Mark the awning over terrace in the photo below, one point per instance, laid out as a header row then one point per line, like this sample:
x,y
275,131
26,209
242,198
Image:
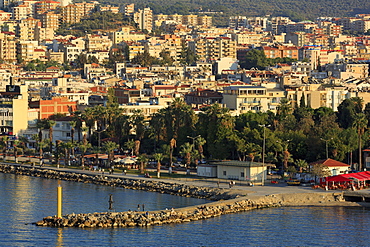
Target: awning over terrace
x,y
358,176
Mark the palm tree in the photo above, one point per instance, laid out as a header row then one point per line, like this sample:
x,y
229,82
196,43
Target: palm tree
x,y
73,125
15,146
199,142
4,145
143,159
84,146
51,125
42,144
109,147
302,164
158,157
130,144
67,146
58,151
185,151
360,123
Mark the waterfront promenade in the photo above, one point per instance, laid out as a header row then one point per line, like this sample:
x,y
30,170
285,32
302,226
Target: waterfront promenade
x,y
240,197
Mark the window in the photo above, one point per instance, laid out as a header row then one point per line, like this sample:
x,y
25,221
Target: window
x,y
242,174
224,173
68,134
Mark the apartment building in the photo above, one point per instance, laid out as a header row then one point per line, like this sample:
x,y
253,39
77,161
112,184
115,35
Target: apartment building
x,y
13,109
242,99
248,38
125,34
211,49
108,8
25,30
96,42
21,12
45,6
280,51
144,19
8,47
129,9
73,13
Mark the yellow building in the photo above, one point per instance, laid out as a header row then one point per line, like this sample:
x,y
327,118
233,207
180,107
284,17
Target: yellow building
x,y
14,109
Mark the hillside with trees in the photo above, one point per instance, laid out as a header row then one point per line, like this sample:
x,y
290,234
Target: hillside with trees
x,y
296,10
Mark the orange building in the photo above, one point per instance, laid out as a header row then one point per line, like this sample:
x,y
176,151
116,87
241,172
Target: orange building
x,y
54,106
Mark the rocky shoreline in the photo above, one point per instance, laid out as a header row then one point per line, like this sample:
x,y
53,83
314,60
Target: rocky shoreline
x,y
225,201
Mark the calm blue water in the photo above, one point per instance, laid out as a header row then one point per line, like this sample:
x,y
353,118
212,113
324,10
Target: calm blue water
x,y
27,199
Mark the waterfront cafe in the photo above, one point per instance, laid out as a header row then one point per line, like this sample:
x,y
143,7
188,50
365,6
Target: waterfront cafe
x,y
241,170
354,181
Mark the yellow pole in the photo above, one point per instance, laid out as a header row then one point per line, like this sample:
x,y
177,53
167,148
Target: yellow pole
x,y
59,207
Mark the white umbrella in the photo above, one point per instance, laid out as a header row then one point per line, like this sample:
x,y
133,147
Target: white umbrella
x,y
117,160
128,160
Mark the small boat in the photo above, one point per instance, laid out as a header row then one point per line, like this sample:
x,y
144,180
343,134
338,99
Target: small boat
x,y
293,183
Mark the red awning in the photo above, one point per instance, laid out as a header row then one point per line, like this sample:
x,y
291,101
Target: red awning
x,y
358,176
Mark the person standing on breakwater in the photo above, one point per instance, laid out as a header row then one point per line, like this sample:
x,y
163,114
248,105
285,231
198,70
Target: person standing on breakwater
x,y
138,207
143,207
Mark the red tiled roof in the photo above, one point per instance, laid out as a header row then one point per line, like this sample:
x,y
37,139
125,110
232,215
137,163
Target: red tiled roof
x,y
329,163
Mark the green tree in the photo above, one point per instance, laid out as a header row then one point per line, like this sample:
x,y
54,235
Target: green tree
x,y
158,157
143,160
360,123
109,148
255,59
301,164
186,150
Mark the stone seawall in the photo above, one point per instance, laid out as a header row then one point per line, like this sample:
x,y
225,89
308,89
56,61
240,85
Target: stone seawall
x,y
136,184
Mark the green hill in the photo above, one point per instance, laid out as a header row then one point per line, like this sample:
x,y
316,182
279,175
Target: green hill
x,y
297,10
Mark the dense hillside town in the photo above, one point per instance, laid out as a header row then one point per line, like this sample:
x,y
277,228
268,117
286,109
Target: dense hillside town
x,y
71,72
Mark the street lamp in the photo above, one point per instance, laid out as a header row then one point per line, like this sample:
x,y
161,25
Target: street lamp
x,y
193,138
326,144
263,153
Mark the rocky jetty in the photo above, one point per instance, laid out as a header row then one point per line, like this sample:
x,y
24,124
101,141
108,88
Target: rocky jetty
x,y
135,184
201,212
141,219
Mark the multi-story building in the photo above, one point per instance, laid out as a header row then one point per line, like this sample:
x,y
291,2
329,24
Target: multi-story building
x,y
45,6
21,12
72,13
237,22
13,109
242,99
30,50
25,29
108,8
8,47
50,20
129,9
211,49
53,106
97,42
281,51
125,34
144,19
248,38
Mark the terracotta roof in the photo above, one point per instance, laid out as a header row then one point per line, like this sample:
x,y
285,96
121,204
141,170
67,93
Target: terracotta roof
x,y
329,163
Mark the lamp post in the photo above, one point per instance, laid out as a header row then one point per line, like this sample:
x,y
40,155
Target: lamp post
x,y
326,145
193,138
263,153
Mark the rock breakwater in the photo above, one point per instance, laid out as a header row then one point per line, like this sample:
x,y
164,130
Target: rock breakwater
x,y
127,183
182,215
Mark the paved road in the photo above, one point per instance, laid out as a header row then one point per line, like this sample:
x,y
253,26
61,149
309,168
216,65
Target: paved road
x,y
267,189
